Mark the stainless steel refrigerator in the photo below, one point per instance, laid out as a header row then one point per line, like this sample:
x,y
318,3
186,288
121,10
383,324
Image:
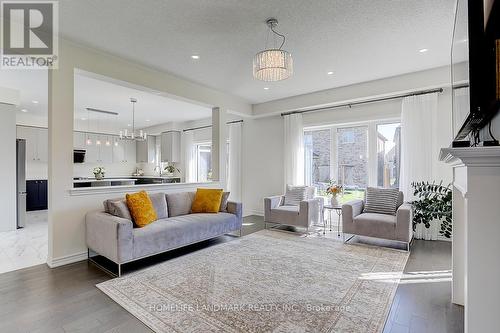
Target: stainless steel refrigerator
x,y
21,182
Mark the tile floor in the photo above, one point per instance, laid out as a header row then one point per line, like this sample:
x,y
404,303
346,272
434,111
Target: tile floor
x,y
27,246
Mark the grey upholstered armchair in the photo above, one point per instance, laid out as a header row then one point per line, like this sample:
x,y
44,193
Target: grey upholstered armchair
x,y
392,227
304,215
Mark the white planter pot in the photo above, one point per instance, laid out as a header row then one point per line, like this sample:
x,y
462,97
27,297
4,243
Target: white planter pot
x,y
334,202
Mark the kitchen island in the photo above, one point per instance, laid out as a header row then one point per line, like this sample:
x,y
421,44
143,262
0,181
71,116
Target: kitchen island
x,y
124,181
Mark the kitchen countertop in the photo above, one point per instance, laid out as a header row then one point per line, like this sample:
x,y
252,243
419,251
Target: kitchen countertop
x,y
93,180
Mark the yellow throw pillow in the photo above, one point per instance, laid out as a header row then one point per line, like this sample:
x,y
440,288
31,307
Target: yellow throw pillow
x,y
141,208
207,201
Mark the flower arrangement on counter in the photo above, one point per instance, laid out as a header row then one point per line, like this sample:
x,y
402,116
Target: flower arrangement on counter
x,y
170,169
99,172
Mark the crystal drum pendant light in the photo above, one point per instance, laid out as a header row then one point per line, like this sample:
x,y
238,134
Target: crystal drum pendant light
x,y
133,136
273,64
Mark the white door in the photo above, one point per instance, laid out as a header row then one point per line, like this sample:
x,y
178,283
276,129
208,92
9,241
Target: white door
x,y
130,150
28,134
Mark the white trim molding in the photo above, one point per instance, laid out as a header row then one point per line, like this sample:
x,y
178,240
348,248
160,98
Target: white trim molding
x,y
66,260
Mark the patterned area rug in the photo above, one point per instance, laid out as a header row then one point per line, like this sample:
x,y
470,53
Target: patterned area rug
x,y
268,281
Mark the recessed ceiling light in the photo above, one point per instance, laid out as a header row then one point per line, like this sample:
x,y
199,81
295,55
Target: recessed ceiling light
x,y
148,120
266,88
129,125
423,50
34,102
195,57
330,73
84,118
24,110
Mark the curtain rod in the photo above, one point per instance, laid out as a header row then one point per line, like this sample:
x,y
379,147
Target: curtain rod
x,y
373,100
208,126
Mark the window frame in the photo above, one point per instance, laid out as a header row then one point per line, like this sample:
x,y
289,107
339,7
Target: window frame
x,y
197,146
371,144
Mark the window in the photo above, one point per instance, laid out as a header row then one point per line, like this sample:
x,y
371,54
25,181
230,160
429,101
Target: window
x,y
388,154
317,146
352,156
204,162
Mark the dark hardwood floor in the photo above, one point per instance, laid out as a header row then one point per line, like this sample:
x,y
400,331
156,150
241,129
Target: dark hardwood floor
x,y
65,299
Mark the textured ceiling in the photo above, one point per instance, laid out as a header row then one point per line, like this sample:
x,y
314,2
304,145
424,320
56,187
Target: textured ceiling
x,y
358,40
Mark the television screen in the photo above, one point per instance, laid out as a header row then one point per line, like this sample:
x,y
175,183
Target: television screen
x,y
460,67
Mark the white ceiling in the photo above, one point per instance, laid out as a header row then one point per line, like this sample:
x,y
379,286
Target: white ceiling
x,y
358,40
150,109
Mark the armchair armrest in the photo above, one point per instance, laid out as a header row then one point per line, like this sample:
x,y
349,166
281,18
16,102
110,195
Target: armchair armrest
x,y
274,201
404,223
109,235
310,211
236,208
350,210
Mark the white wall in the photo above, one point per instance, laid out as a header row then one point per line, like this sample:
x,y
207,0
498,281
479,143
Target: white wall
x,y
8,192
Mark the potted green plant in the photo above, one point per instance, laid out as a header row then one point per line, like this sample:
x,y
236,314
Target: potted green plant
x,y
434,202
99,172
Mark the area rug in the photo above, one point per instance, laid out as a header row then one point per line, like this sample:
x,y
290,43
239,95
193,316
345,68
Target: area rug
x,y
268,281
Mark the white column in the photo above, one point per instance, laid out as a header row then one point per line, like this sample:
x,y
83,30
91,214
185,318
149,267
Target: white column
x,y
219,141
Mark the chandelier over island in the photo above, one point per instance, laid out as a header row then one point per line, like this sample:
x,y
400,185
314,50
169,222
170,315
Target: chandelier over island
x,y
132,135
273,64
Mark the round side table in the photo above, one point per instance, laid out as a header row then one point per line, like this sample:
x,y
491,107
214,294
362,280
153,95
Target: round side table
x,y
331,209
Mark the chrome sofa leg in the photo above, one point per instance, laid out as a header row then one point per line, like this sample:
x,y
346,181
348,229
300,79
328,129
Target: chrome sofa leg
x,y
241,232
119,270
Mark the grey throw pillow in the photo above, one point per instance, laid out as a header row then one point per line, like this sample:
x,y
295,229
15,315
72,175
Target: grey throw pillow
x,y
223,203
295,194
179,203
381,200
118,207
159,204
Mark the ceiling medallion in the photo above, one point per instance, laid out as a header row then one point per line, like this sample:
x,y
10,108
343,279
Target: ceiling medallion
x,y
273,64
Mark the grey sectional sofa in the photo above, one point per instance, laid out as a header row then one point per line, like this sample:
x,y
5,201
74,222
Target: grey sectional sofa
x,y
111,233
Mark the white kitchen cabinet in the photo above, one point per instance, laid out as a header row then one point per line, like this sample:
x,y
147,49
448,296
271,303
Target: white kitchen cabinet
x,y
92,150
146,150
37,142
106,149
118,150
171,146
130,152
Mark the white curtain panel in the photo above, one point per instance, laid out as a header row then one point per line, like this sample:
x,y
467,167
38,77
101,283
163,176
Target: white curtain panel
x,y
188,157
294,150
418,131
234,167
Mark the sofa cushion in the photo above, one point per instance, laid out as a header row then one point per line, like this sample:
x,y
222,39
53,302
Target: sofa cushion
x,y
375,225
223,203
141,208
160,204
179,203
173,232
381,200
295,194
117,207
207,200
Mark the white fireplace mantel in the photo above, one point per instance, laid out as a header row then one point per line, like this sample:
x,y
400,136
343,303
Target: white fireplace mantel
x,y
476,234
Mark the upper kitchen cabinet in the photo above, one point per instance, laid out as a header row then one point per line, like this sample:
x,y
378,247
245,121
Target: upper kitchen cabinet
x,y
146,150
171,146
123,151
37,142
79,140
100,150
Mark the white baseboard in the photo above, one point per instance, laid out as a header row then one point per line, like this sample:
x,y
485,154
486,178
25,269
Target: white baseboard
x,y
254,212
66,260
